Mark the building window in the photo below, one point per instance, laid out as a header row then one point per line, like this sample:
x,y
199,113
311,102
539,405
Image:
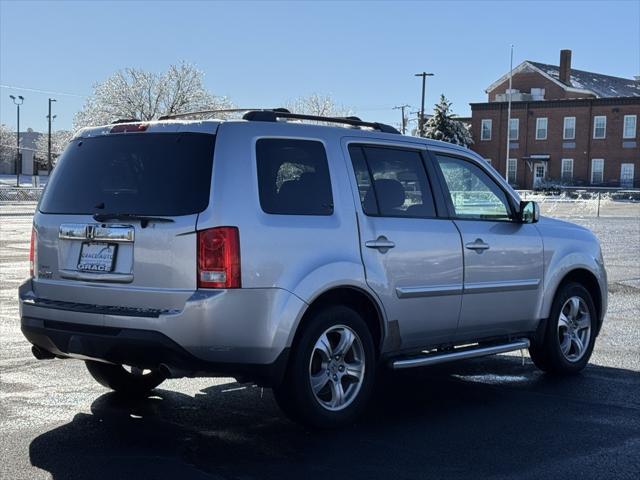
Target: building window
x,y
485,129
512,171
597,171
514,127
626,175
629,130
569,130
600,126
566,174
537,94
541,128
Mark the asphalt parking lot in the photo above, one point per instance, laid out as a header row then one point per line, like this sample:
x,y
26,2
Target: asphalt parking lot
x,y
490,418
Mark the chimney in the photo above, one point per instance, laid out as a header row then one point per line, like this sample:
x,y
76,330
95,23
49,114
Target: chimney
x,y
565,67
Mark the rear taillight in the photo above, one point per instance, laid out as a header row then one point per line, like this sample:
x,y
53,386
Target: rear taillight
x,y
219,258
130,127
32,252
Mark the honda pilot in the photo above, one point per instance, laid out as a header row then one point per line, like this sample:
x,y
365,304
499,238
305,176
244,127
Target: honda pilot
x,y
300,253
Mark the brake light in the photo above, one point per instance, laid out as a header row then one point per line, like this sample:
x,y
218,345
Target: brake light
x,y
130,127
32,252
219,258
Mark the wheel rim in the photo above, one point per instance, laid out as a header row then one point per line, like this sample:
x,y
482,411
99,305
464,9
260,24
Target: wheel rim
x,y
337,367
574,328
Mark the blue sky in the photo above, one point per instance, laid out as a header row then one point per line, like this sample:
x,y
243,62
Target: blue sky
x,y
263,53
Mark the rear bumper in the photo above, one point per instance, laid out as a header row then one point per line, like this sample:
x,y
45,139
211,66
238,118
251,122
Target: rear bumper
x,y
241,332
141,348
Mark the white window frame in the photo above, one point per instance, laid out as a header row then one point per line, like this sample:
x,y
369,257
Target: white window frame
x,y
635,126
516,121
622,166
564,129
515,171
566,161
482,123
595,123
538,128
593,162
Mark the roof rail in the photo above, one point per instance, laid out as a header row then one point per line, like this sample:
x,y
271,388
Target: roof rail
x,y
205,112
274,115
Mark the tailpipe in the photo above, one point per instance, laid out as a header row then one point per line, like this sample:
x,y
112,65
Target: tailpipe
x,y
41,353
172,372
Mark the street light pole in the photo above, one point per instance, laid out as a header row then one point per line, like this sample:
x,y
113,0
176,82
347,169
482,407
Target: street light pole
x,y
424,76
18,101
49,147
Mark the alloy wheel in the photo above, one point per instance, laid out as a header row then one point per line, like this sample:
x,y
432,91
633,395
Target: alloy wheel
x,y
337,367
574,328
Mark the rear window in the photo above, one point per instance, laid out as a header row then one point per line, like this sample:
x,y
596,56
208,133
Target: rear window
x,y
144,174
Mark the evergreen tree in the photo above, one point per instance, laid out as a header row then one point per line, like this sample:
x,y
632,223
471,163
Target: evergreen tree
x,y
443,125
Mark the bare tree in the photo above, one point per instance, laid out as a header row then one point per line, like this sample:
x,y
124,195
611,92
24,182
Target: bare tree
x,y
134,93
7,149
316,104
59,140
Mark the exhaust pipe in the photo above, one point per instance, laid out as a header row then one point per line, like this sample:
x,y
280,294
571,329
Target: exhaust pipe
x,y
172,372
41,353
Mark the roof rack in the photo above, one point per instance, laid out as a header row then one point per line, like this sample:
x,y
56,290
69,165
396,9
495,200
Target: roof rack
x,y
205,112
275,114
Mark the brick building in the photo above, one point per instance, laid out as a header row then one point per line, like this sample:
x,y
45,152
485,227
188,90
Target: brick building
x,y
567,126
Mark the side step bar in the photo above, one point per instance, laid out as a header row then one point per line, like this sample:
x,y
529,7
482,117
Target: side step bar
x,y
459,354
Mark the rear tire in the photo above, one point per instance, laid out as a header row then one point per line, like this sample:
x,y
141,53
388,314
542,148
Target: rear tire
x,y
331,370
117,378
569,335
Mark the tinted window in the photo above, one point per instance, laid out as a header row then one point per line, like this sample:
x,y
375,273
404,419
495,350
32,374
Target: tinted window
x,y
144,174
473,193
293,177
400,186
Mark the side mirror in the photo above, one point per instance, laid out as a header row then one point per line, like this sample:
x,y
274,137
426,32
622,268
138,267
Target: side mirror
x,y
529,212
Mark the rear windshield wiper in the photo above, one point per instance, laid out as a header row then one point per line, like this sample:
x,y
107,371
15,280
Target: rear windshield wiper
x,y
143,219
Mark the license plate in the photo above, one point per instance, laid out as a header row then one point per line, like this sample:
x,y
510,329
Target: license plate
x,y
97,257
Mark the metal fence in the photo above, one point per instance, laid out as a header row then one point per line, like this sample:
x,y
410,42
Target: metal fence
x,y
570,203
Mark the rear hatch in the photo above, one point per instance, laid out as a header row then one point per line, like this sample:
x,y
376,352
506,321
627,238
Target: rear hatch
x,y
116,223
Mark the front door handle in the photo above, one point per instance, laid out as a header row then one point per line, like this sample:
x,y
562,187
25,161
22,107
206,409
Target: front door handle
x,y
479,246
381,243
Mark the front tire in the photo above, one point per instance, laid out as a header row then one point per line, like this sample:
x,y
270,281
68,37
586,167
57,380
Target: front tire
x,y
133,382
331,370
569,336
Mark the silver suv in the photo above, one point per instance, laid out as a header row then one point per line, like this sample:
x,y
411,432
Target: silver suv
x,y
303,257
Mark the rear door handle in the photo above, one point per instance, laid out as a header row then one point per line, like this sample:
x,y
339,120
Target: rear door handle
x,y
381,243
479,246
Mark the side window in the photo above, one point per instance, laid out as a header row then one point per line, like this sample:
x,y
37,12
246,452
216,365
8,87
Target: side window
x,y
293,177
474,195
399,187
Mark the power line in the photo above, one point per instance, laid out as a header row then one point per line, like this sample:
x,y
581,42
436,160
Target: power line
x,y
36,90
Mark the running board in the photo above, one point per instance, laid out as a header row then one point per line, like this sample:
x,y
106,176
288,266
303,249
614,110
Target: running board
x,y
459,354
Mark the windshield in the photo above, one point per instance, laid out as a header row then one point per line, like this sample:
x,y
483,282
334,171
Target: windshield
x,y
143,174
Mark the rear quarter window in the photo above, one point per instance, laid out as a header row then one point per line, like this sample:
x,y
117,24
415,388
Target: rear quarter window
x,y
165,174
293,177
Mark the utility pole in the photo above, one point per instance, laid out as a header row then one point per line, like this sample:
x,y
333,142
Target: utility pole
x,y
424,76
404,119
50,118
18,101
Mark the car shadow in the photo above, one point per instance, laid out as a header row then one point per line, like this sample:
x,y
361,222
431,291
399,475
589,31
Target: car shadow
x,y
492,417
